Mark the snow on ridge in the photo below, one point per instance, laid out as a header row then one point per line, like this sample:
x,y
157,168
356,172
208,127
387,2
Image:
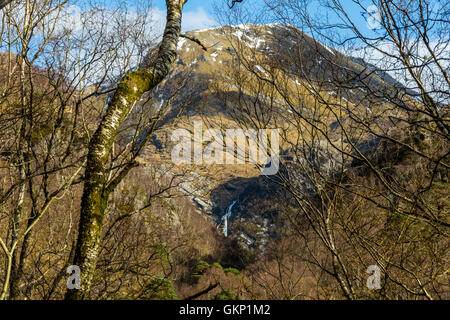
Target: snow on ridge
x,y
329,49
262,70
204,30
247,26
214,55
180,44
249,32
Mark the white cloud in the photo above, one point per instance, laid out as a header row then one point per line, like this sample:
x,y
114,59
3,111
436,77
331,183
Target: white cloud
x,y
71,18
198,19
387,57
192,20
158,21
107,41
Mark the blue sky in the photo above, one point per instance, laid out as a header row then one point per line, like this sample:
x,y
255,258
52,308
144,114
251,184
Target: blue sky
x,y
199,14
195,4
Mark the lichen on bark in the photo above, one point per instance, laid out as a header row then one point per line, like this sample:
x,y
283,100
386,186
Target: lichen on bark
x,y
96,191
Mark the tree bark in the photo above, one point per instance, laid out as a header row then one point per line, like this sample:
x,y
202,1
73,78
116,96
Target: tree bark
x,y
4,3
96,191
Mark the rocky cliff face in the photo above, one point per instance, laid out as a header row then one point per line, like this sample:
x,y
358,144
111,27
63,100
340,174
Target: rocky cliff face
x,y
204,87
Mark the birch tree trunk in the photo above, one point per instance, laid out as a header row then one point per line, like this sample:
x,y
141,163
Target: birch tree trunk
x,y
4,3
96,189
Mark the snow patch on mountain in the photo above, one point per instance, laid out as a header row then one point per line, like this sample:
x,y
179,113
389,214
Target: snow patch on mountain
x,y
180,44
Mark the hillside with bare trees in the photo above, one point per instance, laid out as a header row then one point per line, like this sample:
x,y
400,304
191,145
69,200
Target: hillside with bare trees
x,y
292,160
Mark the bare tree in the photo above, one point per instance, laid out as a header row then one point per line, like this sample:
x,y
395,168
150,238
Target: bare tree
x,y
366,155
96,188
57,69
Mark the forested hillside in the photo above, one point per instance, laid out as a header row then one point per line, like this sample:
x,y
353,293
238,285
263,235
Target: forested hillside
x,y
92,121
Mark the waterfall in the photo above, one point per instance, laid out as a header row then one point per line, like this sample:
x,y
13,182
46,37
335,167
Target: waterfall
x,y
225,218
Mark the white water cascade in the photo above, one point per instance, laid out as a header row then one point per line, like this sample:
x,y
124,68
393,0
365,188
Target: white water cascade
x,y
225,218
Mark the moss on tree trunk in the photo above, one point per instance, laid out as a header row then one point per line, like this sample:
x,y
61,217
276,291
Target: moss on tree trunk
x,y
96,190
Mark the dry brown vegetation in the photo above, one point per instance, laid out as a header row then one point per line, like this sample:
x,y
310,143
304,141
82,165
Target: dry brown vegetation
x,y
364,160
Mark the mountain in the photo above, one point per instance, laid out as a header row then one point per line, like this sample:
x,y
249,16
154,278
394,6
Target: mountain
x,y
361,175
207,85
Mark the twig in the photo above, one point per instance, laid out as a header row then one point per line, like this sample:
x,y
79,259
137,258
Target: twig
x,y
194,39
